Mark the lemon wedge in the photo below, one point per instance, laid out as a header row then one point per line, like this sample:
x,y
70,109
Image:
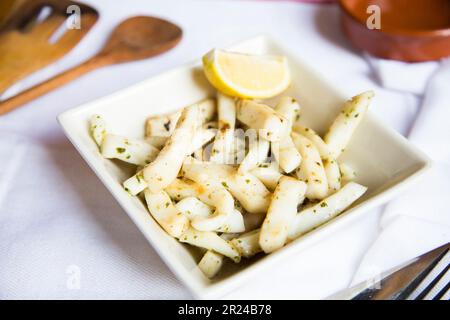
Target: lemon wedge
x,y
246,76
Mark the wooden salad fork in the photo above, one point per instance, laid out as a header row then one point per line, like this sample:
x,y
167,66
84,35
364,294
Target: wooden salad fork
x,y
25,45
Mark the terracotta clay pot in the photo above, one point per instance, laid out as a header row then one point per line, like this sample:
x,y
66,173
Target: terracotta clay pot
x,y
411,30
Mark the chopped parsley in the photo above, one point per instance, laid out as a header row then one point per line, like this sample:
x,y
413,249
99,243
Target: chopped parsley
x,y
167,125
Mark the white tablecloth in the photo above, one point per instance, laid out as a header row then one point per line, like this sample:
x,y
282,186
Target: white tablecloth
x,y
63,236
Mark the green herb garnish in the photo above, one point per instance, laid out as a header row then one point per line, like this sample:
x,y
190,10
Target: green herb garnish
x,y
167,125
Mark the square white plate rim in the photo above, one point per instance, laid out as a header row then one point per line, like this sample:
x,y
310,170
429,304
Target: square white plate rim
x,y
224,286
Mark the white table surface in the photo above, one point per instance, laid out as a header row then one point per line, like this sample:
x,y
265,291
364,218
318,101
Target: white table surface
x,y
54,213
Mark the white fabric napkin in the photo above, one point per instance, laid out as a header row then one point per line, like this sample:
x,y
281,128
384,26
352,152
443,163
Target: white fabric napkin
x,y
419,220
402,76
63,236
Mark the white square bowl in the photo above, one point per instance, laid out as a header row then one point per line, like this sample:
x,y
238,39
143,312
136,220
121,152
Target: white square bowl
x,y
385,161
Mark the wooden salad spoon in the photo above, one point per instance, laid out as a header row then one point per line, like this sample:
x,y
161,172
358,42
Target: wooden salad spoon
x,y
135,38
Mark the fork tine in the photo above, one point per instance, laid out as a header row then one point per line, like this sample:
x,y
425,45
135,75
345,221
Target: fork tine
x,y
441,293
25,13
416,282
46,28
433,283
72,36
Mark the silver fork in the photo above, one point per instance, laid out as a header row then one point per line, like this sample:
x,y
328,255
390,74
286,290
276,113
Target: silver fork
x,y
425,278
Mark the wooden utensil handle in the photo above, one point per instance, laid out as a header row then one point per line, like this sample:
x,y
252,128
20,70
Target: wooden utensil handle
x,y
53,83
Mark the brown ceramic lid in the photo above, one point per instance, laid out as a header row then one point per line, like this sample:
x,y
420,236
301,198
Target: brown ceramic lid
x,y
411,30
